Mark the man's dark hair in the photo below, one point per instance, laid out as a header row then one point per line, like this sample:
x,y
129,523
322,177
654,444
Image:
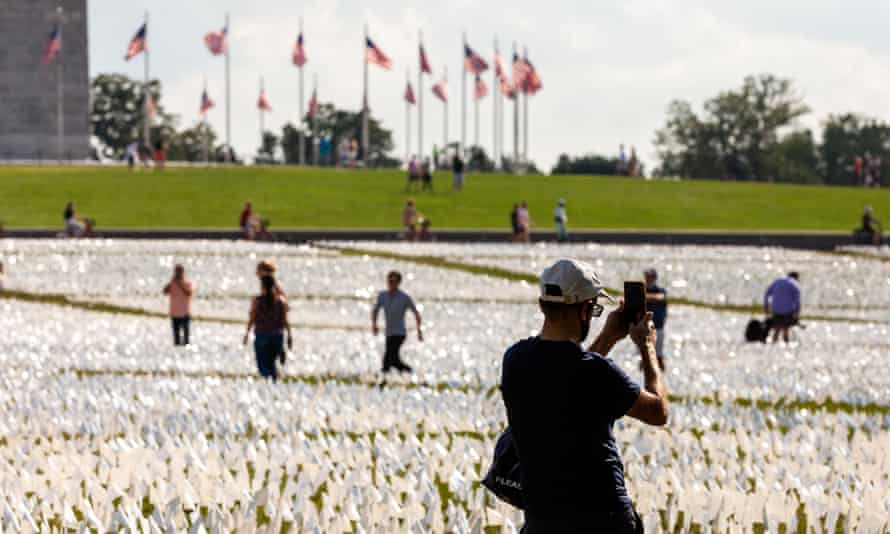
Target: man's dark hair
x,y
394,274
794,274
555,311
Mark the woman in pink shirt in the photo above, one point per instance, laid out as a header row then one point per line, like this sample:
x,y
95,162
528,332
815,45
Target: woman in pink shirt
x,y
180,290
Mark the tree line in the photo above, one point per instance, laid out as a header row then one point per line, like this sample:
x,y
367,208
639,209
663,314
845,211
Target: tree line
x,y
752,133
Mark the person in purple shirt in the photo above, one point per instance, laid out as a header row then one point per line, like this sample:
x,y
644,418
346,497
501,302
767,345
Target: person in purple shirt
x,y
782,303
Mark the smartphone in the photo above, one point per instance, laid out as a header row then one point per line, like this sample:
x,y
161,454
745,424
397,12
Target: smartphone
x,y
634,301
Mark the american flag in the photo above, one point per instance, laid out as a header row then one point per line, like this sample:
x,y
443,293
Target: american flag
x,y
263,102
441,90
532,83
313,104
507,88
499,68
137,43
520,70
424,62
53,45
217,43
409,94
299,56
481,88
374,55
206,103
473,62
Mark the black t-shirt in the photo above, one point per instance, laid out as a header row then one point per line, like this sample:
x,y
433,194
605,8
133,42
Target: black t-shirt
x,y
659,309
561,404
458,166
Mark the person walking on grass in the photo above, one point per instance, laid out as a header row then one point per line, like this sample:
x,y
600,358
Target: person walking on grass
x,y
426,176
457,167
180,291
562,403
395,303
524,220
268,319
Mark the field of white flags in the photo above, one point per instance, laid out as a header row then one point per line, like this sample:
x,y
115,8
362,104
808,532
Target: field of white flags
x,y
107,427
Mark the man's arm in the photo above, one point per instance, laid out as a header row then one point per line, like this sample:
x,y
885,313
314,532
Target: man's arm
x,y
374,312
186,287
655,296
614,331
652,406
250,321
418,320
167,289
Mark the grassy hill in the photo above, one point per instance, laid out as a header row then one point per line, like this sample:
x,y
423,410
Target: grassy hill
x,y
314,198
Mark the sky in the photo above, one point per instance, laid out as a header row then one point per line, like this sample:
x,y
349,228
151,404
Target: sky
x,y
609,68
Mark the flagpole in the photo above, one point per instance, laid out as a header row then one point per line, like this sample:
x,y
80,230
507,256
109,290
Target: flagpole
x,y
228,151
476,117
495,92
463,99
420,100
515,121
525,116
445,107
315,139
407,118
60,88
300,133
146,126
262,114
204,123
365,132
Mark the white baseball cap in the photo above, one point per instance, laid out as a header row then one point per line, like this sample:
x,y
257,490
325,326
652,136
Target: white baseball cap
x,y
570,282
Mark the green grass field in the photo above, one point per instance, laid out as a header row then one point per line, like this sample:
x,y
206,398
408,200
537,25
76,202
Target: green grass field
x,y
33,197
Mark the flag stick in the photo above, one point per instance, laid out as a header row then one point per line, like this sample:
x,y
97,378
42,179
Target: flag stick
x,y
495,91
525,117
420,99
313,123
515,122
365,132
146,126
262,115
476,117
204,125
407,119
300,132
60,89
228,151
445,108
463,98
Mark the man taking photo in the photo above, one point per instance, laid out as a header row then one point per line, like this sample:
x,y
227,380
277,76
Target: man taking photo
x,y
563,401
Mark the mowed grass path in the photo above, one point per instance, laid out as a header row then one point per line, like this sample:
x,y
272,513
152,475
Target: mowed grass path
x,y
328,198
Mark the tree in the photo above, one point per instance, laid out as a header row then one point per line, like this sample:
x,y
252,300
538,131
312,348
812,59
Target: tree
x,y
478,160
266,152
591,164
337,125
849,135
192,143
117,112
736,134
796,159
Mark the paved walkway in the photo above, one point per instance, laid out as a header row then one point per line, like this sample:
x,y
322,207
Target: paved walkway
x,y
800,240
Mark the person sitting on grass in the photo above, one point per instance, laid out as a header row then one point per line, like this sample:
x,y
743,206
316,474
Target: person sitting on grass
x,y
263,233
426,233
871,227
246,221
75,225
